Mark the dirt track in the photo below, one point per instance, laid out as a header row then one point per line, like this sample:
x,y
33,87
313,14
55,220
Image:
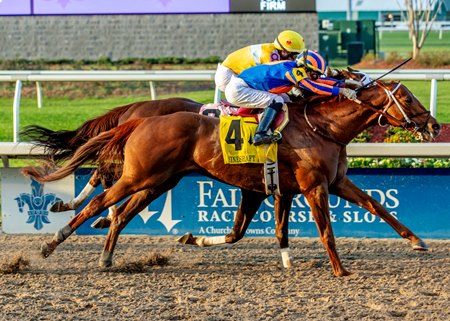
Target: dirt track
x,y
244,281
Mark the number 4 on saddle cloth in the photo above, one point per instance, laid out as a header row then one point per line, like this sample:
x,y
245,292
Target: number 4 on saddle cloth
x,y
237,129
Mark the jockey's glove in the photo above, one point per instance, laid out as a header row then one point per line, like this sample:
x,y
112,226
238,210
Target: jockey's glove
x,y
296,92
347,92
353,82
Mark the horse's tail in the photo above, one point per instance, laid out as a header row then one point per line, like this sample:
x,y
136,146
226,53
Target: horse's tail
x,y
106,148
61,145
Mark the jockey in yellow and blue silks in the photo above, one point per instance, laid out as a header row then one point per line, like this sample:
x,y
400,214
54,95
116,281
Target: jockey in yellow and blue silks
x,y
266,86
286,46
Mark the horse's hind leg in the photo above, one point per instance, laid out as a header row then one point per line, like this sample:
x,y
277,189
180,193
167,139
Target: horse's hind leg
x,y
120,218
97,205
104,222
282,208
250,202
125,212
350,192
75,203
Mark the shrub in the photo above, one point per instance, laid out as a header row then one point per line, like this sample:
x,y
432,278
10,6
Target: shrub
x,y
400,135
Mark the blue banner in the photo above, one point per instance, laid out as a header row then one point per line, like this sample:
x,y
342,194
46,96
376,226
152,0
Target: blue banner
x,y
417,197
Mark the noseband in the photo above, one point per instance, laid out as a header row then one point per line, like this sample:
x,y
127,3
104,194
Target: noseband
x,y
407,121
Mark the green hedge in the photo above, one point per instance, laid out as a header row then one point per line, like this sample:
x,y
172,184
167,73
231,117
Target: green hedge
x,y
395,135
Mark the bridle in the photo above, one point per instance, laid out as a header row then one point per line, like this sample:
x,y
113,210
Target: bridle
x,y
406,123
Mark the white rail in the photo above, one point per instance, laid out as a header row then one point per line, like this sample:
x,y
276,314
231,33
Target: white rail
x,y
419,150
176,75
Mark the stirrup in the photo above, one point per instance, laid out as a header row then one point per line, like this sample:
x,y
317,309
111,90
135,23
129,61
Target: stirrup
x,y
267,138
276,136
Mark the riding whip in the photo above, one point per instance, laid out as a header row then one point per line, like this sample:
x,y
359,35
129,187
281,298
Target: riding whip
x,y
370,83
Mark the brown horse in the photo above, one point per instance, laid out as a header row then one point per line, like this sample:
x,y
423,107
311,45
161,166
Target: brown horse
x,y
61,145
159,151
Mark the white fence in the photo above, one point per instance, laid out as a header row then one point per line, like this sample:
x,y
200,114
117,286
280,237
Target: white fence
x,y
419,150
22,150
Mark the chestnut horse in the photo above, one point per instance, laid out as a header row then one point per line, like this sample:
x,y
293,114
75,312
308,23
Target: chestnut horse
x,y
158,151
61,145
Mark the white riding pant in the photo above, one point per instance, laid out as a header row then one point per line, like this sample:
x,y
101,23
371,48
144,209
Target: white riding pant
x,y
222,77
239,93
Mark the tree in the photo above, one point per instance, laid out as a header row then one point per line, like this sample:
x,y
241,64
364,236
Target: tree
x,y
420,16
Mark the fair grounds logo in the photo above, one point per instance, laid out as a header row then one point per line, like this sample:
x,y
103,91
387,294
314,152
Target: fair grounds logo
x,y
37,203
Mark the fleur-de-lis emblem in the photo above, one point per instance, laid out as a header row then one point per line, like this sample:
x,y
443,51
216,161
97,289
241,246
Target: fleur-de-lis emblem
x,y
37,203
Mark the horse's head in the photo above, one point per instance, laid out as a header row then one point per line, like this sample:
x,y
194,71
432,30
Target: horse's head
x,y
397,106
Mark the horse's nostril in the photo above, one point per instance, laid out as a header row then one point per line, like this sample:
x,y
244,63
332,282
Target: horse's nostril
x,y
436,126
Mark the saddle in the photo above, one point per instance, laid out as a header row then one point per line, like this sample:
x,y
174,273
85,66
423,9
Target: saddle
x,y
225,108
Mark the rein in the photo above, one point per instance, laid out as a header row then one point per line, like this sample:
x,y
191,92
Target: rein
x,y
382,113
318,131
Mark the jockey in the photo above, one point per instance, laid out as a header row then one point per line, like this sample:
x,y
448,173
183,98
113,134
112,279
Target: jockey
x,y
266,86
286,46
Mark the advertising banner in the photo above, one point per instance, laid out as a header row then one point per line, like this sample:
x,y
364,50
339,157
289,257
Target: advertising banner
x,y
417,197
129,7
15,7
26,203
94,7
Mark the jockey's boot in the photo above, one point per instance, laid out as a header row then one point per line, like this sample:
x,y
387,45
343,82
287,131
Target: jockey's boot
x,y
262,136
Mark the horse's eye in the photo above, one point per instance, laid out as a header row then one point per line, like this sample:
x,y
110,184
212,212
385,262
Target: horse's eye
x,y
408,100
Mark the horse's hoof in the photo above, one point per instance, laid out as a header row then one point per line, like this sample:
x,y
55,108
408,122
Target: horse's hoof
x,y
105,264
60,206
186,239
101,223
46,250
343,272
420,246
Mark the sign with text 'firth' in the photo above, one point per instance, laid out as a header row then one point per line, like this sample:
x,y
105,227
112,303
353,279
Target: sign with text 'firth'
x,y
418,198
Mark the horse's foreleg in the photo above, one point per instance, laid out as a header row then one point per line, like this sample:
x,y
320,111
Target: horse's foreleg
x,y
318,200
250,202
76,202
350,192
282,207
97,205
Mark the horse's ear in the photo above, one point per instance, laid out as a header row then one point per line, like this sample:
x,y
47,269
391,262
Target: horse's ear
x,y
350,69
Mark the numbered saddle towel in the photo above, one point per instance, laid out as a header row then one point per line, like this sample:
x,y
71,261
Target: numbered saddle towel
x,y
236,139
